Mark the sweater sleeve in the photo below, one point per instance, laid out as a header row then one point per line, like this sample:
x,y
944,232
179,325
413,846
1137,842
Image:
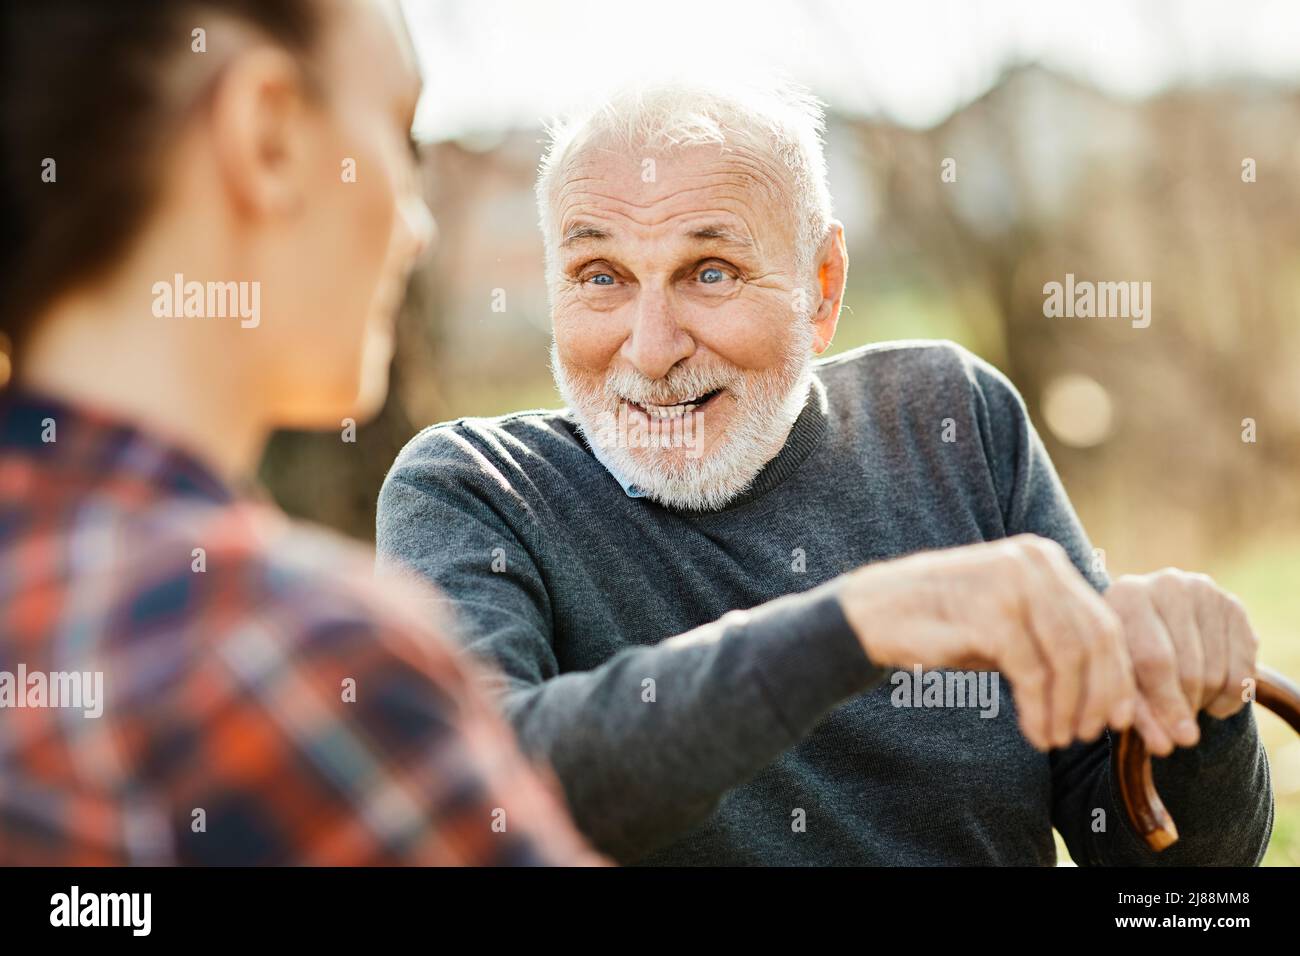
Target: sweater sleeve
x,y
646,743
1218,792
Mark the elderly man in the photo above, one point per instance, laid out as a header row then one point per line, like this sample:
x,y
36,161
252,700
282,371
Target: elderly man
x,y
723,585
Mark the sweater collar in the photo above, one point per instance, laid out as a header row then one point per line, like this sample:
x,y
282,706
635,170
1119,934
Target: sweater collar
x,y
805,434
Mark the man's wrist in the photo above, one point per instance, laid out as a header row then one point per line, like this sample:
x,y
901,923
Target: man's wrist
x,y
861,605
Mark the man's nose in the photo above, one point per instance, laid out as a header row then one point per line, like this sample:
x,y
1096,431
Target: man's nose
x,y
657,342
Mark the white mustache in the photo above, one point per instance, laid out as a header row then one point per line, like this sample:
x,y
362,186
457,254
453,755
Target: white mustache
x,y
678,386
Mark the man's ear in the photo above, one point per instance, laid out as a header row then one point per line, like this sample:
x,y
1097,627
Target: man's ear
x,y
260,131
832,273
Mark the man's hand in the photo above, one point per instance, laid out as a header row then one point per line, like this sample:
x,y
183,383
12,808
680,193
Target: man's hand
x,y
1192,648
1017,606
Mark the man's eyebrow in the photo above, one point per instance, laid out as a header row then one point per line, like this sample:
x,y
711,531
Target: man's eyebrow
x,y
580,232
585,232
723,234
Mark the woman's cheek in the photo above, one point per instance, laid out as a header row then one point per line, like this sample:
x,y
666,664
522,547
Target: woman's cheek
x,y
378,220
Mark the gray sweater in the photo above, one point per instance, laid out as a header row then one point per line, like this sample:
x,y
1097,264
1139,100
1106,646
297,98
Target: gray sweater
x,y
691,678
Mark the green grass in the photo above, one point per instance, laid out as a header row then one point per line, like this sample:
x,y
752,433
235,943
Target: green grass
x,y
1267,578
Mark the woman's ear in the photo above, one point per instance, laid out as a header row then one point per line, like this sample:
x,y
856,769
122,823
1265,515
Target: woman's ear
x,y
832,274
261,132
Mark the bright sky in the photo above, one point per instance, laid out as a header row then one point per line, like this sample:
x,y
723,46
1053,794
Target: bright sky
x,y
492,64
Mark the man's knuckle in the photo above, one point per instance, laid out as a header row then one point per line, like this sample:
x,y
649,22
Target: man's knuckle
x,y
1068,654
1032,680
1153,658
1235,608
1123,593
1216,675
1040,550
1170,588
1190,672
1109,625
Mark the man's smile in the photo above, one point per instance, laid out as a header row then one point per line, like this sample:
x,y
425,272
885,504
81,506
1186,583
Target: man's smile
x,y
677,409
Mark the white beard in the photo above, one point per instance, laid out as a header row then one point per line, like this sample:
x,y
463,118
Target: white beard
x,y
765,406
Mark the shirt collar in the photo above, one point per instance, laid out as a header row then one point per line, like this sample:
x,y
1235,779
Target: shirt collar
x,y
94,446
629,489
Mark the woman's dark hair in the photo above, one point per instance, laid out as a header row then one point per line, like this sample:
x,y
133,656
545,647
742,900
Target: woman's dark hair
x,y
85,83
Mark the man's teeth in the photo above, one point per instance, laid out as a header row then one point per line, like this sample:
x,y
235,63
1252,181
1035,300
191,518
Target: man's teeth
x,y
670,411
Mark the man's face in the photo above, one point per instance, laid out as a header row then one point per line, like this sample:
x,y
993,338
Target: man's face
x,y
678,314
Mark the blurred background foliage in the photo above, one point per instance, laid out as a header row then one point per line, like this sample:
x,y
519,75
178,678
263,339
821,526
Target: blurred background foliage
x,y
1054,175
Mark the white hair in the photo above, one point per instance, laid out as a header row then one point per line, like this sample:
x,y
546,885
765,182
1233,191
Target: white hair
x,y
779,120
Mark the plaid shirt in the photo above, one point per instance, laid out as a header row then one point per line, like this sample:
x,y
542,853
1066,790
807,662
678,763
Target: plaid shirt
x,y
265,700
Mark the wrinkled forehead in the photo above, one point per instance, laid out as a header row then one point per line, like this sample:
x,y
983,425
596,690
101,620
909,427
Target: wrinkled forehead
x,y
647,190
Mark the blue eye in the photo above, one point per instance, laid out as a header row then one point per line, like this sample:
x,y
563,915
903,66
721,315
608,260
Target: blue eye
x,y
602,278
712,275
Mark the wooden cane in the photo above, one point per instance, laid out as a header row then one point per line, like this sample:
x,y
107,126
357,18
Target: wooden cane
x,y
1131,763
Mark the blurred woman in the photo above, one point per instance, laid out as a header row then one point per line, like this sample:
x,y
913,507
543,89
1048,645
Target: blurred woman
x,y
210,211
